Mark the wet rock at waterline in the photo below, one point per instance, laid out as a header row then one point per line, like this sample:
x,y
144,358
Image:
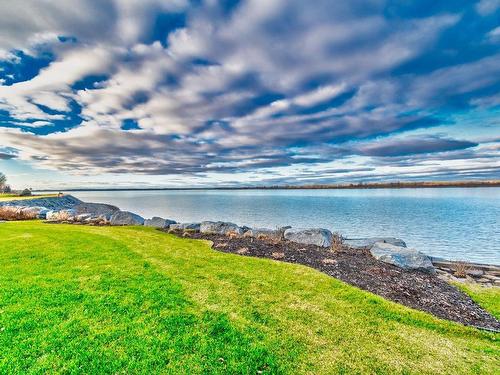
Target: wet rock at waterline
x,y
403,257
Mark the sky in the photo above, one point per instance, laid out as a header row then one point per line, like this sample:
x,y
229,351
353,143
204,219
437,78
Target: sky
x,y
173,93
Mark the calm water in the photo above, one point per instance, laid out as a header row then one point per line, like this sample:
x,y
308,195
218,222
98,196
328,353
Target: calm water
x,y
454,223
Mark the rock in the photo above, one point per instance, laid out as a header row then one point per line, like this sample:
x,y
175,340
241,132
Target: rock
x,y
43,213
402,257
315,236
96,209
263,233
475,273
219,227
185,226
126,218
365,243
158,222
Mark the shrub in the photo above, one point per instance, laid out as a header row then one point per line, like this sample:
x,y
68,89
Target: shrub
x,y
337,242
233,234
461,269
25,193
11,213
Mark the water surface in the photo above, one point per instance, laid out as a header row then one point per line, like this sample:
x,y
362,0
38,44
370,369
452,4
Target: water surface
x,y
455,223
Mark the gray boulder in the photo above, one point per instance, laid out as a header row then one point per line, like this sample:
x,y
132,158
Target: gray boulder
x,y
96,209
42,214
219,227
313,236
362,243
263,233
185,226
158,222
403,257
126,218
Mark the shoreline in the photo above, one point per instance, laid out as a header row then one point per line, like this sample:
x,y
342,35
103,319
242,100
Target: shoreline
x,y
384,266
367,186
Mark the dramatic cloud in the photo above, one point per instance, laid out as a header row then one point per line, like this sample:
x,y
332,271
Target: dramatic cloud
x,y
200,89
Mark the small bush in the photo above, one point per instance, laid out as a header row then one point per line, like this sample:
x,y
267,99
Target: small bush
x,y
233,234
25,193
337,242
11,213
461,269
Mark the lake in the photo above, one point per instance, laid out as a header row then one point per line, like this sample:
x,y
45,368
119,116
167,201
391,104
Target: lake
x,y
454,223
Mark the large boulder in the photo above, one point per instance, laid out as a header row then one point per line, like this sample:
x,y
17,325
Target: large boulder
x,y
264,233
126,218
366,243
403,257
219,227
158,222
96,209
313,236
185,226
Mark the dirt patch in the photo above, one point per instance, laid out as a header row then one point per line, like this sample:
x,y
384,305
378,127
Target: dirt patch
x,y
414,289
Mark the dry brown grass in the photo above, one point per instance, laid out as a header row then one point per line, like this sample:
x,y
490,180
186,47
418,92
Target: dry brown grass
x,y
278,255
337,242
11,213
233,234
461,268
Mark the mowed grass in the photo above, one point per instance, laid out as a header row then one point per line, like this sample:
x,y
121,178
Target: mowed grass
x,y
15,197
78,299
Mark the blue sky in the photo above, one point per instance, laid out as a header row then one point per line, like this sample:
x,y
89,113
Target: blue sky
x,y
159,93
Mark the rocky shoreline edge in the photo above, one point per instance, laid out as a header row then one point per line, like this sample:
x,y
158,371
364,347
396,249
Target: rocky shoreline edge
x,y
381,265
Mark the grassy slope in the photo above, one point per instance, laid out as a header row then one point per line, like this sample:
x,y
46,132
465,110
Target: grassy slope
x,y
14,197
103,300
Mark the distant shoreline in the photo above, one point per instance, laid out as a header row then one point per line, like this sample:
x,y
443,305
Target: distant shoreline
x,y
386,185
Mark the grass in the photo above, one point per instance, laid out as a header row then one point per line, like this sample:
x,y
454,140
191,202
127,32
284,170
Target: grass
x,y
15,197
78,299
487,297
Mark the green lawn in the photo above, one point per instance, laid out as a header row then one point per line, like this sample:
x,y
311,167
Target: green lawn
x,y
77,299
15,197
